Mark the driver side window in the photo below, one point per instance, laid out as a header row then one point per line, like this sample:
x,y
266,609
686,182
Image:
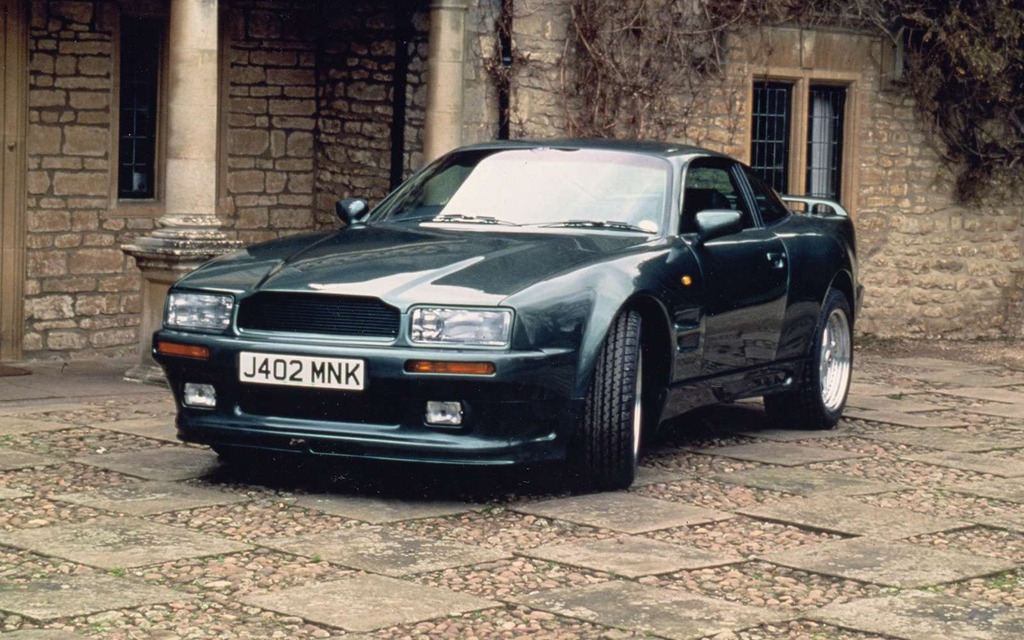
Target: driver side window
x,y
710,185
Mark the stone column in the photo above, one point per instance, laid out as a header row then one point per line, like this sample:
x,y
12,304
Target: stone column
x,y
445,69
189,232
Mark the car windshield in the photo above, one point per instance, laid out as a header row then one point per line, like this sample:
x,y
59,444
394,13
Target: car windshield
x,y
540,187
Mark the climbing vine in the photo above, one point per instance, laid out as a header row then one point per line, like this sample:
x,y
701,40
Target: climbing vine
x,y
640,67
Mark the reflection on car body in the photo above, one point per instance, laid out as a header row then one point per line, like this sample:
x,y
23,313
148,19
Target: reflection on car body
x,y
520,302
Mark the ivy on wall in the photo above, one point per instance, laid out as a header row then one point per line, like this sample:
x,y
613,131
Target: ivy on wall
x,y
640,65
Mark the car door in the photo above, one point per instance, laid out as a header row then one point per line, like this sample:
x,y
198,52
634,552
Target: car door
x,y
741,299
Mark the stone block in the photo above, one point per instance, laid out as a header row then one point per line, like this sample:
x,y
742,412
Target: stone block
x,y
80,183
67,284
89,99
80,12
86,141
43,140
282,107
114,338
96,261
92,305
250,142
300,144
38,182
291,77
47,263
246,181
55,307
66,341
94,65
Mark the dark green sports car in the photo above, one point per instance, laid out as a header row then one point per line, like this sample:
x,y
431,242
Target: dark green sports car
x,y
521,302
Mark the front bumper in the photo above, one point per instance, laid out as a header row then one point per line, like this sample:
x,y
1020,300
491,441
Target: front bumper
x,y
524,412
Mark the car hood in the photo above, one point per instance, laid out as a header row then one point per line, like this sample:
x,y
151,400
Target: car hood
x,y
404,265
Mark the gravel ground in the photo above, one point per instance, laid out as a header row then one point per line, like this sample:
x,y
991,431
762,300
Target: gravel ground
x,y
212,588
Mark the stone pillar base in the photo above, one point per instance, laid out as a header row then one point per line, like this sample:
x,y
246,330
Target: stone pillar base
x,y
164,256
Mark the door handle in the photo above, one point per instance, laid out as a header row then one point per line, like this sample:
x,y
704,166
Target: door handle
x,y
778,260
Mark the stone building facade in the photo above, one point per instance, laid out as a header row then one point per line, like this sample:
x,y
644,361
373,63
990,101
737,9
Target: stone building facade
x,y
330,99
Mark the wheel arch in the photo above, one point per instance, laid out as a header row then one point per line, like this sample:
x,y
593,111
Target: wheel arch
x,y
843,282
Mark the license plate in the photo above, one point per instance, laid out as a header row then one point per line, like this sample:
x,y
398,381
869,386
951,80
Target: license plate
x,y
302,371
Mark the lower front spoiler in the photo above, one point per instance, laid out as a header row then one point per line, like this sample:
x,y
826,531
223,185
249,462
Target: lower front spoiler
x,y
356,442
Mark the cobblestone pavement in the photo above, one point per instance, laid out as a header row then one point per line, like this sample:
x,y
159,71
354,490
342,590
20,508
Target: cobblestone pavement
x,y
904,522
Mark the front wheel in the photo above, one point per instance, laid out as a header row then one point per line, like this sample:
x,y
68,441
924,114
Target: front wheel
x,y
819,396
608,436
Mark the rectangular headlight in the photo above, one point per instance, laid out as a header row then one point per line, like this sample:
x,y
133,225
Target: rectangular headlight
x,y
199,311
461,327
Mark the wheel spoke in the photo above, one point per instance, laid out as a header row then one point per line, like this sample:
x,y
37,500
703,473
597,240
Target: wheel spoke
x,y
835,360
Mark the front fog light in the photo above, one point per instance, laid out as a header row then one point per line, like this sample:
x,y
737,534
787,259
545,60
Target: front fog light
x,y
443,414
200,395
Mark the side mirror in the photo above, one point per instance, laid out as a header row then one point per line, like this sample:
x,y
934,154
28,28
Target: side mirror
x,y
715,223
351,210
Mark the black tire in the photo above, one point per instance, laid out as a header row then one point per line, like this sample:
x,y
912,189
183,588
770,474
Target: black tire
x,y
817,400
607,447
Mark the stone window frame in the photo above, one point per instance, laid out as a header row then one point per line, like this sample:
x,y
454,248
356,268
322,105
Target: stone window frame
x,y
156,206
801,81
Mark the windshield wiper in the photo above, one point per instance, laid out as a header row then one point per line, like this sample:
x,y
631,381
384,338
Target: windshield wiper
x,y
599,224
458,217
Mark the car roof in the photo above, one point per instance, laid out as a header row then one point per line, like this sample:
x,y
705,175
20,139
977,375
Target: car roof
x,y
645,147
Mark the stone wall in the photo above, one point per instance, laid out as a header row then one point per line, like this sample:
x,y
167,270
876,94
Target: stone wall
x,y
932,268
81,292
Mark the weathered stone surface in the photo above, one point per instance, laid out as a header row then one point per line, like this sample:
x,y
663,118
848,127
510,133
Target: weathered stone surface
x,y
918,615
369,602
991,463
796,435
114,543
1012,411
803,481
11,494
985,393
11,459
903,419
1010,489
380,510
165,463
622,512
950,440
975,379
851,517
382,551
664,613
654,475
43,634
158,428
889,563
631,557
67,596
866,389
876,403
788,455
146,498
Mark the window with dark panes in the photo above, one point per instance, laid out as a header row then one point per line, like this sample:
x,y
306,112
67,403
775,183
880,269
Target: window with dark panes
x,y
825,140
769,140
778,110
141,40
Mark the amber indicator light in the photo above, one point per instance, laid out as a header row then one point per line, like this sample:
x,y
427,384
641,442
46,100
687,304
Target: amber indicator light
x,y
460,368
687,281
184,350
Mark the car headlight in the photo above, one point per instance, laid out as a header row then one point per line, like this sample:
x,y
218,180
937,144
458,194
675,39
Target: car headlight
x,y
461,327
199,311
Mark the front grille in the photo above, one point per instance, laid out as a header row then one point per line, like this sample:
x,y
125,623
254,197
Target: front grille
x,y
318,313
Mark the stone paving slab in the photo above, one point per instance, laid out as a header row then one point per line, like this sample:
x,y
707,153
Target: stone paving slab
x,y
987,394
862,389
21,426
366,603
156,428
904,419
165,463
950,440
938,364
962,379
666,613
116,543
787,455
631,557
889,563
652,475
386,552
66,596
1011,411
42,634
12,494
977,462
797,435
380,510
848,516
11,460
876,403
622,512
1010,489
804,481
150,497
919,615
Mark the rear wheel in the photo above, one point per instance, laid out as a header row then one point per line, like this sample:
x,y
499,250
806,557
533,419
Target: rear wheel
x,y
819,396
609,435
